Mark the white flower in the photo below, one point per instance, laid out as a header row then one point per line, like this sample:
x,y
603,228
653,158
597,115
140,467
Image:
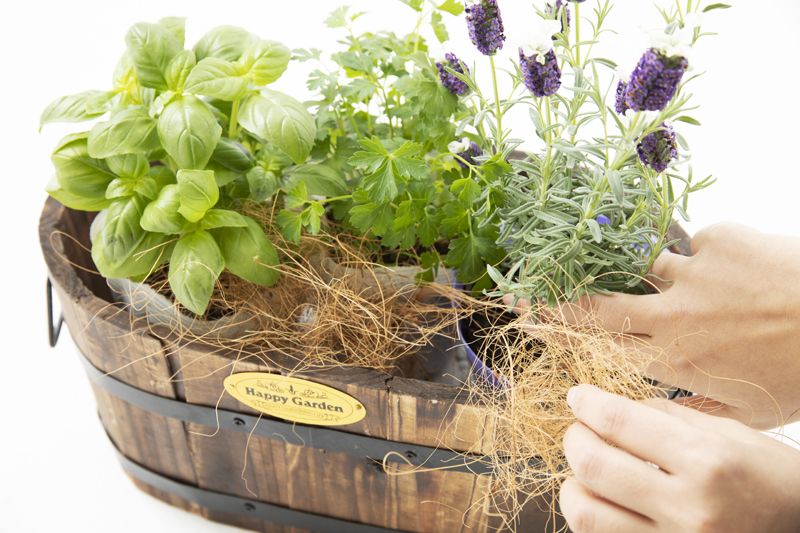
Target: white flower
x,y
692,20
459,147
540,39
677,44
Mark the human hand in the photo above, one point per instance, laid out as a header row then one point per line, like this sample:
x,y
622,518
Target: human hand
x,y
714,475
728,323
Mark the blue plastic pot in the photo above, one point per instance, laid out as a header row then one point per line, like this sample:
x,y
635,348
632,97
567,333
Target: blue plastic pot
x,y
479,368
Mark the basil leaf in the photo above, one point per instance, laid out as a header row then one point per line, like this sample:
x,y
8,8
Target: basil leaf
x,y
161,215
199,193
124,74
176,26
233,155
246,251
131,131
223,42
122,232
120,188
194,267
77,172
188,131
74,201
128,165
222,175
103,102
263,184
153,250
281,120
217,78
162,176
265,61
151,48
320,180
179,69
222,218
70,108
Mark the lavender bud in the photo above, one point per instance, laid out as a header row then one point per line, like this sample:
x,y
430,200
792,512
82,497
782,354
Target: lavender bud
x,y
466,150
654,81
603,220
621,105
565,19
485,26
455,85
658,149
542,79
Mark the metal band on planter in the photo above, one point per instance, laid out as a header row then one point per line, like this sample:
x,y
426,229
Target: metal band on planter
x,y
233,504
290,433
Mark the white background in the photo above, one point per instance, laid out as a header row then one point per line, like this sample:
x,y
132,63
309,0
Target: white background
x,y
57,468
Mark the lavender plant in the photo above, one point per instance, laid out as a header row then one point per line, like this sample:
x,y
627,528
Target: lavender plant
x,y
587,213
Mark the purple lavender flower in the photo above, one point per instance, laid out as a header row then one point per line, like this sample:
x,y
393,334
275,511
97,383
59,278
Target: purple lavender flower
x,y
603,220
645,246
654,81
565,19
658,149
621,105
485,26
455,85
466,150
542,79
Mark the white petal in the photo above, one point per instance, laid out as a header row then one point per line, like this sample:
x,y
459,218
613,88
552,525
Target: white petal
x,y
540,38
692,20
459,147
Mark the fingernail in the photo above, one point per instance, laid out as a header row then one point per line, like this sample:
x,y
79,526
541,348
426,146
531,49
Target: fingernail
x,y
571,396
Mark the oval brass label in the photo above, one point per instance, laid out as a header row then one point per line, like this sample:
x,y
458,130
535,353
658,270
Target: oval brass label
x,y
295,399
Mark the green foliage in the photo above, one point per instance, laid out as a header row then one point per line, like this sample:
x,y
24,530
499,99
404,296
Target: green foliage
x,y
186,137
194,267
281,120
248,253
158,162
188,131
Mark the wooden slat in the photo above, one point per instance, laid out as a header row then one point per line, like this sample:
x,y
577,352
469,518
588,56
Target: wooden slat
x,y
104,335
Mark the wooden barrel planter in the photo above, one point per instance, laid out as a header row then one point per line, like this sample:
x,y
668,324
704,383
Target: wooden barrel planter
x,y
157,399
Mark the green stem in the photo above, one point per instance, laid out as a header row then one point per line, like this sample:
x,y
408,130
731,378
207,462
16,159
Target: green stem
x,y
339,198
577,33
499,133
353,121
234,119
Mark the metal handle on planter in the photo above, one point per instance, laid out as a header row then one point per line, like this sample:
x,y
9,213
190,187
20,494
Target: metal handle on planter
x,y
52,330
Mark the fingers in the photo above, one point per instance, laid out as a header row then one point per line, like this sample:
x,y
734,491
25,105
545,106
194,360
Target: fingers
x,y
705,413
666,267
586,513
648,433
718,232
613,474
620,313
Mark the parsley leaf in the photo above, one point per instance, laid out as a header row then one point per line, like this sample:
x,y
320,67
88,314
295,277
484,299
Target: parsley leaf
x,y
379,218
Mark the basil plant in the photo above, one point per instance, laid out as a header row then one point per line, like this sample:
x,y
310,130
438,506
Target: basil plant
x,y
189,135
